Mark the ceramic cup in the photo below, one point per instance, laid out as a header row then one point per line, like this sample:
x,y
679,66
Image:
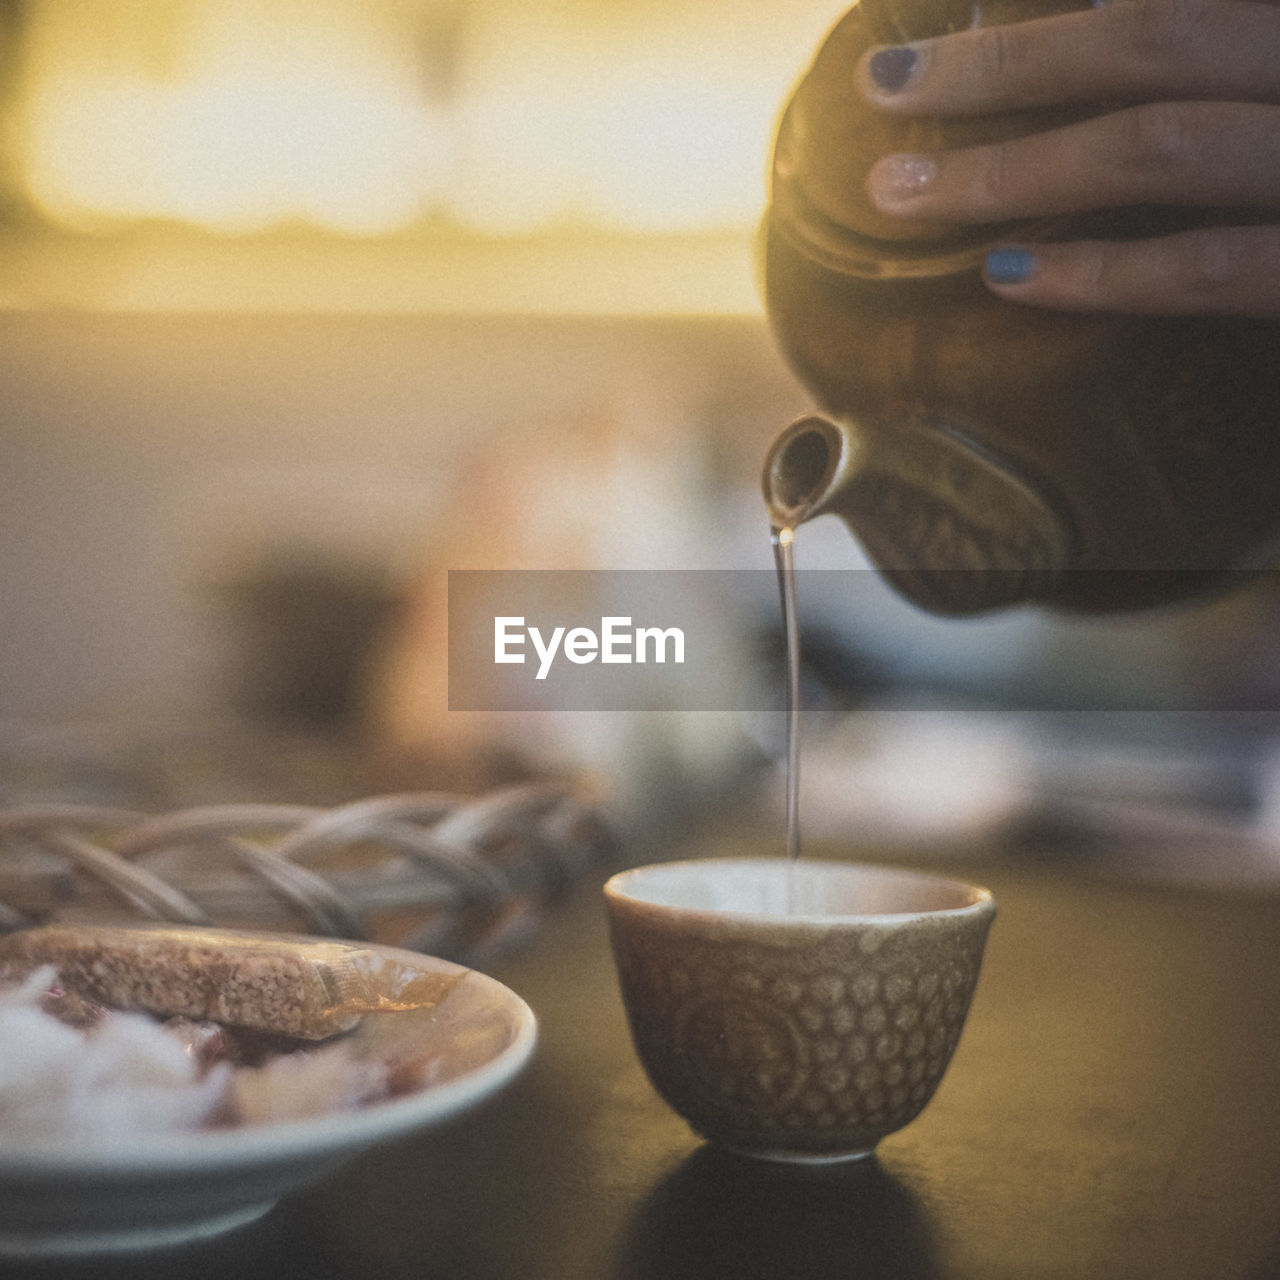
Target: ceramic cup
x,y
795,1012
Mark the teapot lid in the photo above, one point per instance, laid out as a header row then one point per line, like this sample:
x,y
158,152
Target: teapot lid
x,y
830,137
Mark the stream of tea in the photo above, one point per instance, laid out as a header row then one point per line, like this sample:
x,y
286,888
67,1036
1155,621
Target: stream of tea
x,y
784,557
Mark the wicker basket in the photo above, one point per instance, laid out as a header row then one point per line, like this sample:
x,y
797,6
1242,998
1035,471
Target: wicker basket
x,y
458,877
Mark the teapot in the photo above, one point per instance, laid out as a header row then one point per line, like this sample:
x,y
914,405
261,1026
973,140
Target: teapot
x,y
988,454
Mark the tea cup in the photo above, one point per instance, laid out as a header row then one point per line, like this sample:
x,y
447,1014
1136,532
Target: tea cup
x,y
795,1011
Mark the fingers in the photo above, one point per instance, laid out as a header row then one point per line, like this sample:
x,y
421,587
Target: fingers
x,y
1228,271
1138,49
1206,154
1196,90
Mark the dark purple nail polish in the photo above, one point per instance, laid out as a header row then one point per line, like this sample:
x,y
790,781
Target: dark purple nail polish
x,y
891,68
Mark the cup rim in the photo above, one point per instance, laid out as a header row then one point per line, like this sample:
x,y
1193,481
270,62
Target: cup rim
x,y
980,901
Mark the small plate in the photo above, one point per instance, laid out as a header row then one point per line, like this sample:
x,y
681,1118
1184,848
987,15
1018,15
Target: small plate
x,y
168,1188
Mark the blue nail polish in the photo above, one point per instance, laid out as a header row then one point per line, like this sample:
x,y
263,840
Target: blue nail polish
x,y
1009,266
892,68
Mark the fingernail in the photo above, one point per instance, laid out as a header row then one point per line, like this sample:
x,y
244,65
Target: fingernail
x,y
898,178
1009,266
891,68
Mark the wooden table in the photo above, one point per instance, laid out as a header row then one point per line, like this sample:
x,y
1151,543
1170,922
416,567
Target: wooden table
x,y
1113,1111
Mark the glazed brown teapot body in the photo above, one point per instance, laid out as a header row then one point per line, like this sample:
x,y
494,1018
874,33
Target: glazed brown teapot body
x,y
986,453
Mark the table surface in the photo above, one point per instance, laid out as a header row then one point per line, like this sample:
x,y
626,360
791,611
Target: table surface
x,y
1113,1110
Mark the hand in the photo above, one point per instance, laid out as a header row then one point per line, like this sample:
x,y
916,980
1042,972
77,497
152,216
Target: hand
x,y
1203,130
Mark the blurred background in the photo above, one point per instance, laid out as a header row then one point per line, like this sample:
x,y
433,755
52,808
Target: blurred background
x,y
305,302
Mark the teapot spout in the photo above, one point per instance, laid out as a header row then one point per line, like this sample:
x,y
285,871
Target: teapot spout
x,y
805,469
955,527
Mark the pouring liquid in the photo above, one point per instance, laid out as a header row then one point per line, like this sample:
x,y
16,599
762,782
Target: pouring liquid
x,y
784,558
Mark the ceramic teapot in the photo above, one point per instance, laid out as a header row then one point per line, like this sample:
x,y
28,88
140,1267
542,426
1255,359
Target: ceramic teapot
x,y
988,454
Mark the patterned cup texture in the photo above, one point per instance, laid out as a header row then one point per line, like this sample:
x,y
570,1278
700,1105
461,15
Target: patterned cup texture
x,y
806,1036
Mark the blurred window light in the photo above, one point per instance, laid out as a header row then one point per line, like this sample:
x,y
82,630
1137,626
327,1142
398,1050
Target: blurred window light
x,y
367,117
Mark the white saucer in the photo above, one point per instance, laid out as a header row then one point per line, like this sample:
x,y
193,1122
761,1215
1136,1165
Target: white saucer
x,y
169,1188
